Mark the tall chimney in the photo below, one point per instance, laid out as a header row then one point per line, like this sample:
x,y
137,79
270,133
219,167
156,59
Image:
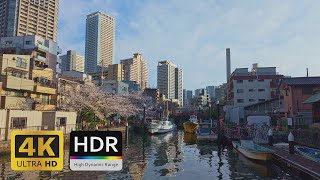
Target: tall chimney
x,y
228,64
307,72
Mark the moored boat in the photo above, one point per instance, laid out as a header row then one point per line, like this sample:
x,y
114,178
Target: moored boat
x,y
310,153
252,150
160,126
205,131
192,125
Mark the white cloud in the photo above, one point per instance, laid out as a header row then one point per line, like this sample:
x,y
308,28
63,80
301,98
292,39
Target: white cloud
x,y
194,34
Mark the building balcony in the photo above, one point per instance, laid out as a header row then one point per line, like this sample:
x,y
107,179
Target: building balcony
x,y
45,107
42,47
15,102
17,83
44,89
40,58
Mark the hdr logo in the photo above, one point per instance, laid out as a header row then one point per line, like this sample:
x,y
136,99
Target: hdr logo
x,y
36,150
96,151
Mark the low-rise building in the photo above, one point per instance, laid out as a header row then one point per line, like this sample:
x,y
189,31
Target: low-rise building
x,y
295,91
153,93
115,87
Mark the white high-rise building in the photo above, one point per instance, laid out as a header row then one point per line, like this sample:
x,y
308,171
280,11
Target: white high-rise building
x,y
100,34
72,62
135,69
169,81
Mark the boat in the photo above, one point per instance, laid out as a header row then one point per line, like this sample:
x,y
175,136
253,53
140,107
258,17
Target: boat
x,y
192,125
252,150
206,131
310,153
160,126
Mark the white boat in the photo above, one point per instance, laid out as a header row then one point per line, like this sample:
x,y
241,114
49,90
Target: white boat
x,y
159,127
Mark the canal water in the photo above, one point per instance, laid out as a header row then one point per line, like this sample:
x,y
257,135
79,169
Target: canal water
x,y
174,155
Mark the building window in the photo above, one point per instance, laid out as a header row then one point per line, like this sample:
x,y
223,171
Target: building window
x,y
8,42
239,90
21,63
261,100
28,42
251,90
18,122
261,90
250,80
62,121
260,80
239,81
251,100
240,100
45,99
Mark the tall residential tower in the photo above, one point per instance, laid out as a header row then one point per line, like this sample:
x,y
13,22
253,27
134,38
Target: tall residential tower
x,y
169,81
100,32
29,17
135,69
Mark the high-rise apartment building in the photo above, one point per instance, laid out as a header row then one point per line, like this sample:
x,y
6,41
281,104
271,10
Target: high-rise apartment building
x,y
178,85
100,34
29,17
169,81
72,62
135,69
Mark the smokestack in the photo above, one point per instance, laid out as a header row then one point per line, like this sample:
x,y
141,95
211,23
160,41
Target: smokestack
x,y
228,56
307,72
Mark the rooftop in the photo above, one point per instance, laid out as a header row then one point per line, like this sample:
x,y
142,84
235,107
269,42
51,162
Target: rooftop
x,y
301,80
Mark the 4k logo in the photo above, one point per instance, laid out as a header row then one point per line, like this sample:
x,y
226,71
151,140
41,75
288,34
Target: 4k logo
x,y
36,150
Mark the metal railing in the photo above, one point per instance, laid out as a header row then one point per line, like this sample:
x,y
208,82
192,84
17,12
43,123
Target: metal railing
x,y
66,129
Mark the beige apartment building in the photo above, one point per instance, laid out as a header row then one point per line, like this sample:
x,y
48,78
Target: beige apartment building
x,y
23,88
28,69
29,17
100,37
115,72
72,62
135,69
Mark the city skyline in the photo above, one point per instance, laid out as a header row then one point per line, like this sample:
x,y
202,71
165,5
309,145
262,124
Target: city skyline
x,y
272,34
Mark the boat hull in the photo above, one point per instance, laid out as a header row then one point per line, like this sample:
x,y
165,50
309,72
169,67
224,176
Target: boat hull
x,y
260,156
190,127
158,128
309,153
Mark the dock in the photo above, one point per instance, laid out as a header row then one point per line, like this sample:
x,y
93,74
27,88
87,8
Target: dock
x,y
299,164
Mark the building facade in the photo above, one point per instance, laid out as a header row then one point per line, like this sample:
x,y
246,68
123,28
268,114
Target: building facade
x,y
135,69
72,62
33,17
115,87
169,81
295,91
100,37
249,87
178,85
153,93
115,72
28,72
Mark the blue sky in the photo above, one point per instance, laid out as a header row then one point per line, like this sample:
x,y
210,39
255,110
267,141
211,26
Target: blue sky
x,y
194,34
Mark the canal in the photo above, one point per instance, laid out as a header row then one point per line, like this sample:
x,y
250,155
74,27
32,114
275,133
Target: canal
x,y
169,156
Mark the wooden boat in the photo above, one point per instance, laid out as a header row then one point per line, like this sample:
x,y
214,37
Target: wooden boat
x,y
192,125
252,150
205,131
160,126
310,153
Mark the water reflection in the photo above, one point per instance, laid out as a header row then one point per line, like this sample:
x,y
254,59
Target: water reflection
x,y
173,155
